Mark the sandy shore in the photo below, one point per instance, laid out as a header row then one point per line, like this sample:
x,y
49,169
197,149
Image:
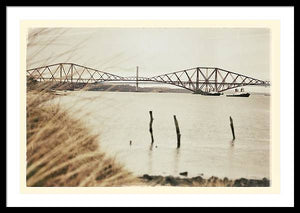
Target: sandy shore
x,y
153,180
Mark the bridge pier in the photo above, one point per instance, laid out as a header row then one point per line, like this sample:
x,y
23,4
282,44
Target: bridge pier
x,y
197,79
60,73
137,79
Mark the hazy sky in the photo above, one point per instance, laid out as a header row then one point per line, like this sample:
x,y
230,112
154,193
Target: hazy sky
x,y
155,50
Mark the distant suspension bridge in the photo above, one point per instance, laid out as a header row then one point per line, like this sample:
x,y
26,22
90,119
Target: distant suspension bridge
x,y
199,79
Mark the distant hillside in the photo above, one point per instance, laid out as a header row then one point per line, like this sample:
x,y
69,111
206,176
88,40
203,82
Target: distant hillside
x,y
128,88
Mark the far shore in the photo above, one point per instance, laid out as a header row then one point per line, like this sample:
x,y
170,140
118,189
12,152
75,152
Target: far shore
x,y
110,87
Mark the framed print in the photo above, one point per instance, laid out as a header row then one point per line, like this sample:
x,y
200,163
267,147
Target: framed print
x,y
147,109
199,115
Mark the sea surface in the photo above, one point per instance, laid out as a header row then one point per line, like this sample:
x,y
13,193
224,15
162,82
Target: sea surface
x,y
207,147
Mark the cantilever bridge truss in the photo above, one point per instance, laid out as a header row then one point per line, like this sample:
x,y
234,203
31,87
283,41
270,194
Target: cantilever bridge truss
x,y
204,79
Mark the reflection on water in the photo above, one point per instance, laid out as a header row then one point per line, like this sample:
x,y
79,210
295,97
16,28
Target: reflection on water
x,y
176,160
150,159
206,139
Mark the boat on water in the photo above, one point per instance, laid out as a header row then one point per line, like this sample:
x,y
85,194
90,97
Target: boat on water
x,y
210,93
239,94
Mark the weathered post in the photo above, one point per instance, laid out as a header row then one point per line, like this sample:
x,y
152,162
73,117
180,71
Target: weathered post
x,y
232,128
177,132
150,127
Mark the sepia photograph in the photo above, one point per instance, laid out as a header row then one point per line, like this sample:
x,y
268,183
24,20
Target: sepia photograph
x,y
148,107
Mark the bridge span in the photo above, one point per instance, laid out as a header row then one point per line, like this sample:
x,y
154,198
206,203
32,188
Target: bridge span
x,y
203,79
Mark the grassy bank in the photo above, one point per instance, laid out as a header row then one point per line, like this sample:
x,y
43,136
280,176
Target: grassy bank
x,y
62,152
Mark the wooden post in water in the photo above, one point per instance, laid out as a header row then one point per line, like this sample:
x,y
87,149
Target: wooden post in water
x,y
177,132
150,127
232,128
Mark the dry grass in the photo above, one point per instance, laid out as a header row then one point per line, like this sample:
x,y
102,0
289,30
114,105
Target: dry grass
x,y
62,152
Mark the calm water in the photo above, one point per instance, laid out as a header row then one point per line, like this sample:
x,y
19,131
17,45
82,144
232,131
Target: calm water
x,y
206,139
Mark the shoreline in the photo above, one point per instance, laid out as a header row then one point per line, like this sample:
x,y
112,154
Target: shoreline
x,y
159,180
